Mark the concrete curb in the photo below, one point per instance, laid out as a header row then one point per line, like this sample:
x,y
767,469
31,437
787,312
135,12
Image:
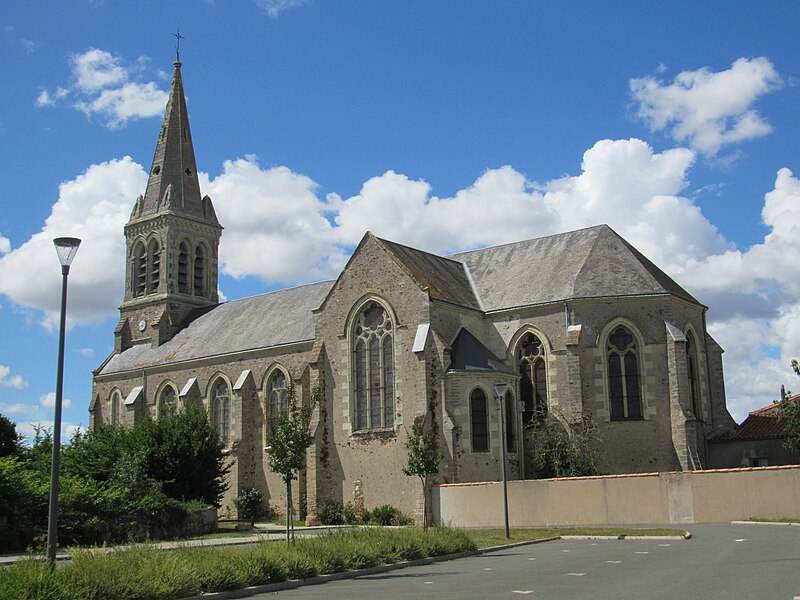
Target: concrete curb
x,y
773,523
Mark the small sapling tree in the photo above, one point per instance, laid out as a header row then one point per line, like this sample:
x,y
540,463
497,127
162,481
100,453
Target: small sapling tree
x,y
423,458
790,415
290,439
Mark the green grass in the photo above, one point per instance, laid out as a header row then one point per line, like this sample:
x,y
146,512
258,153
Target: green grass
x,y
776,520
486,538
145,573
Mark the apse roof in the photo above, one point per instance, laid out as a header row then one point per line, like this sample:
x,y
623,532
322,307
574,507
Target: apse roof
x,y
588,263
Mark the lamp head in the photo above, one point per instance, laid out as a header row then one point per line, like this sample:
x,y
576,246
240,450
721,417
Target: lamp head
x,y
66,248
500,389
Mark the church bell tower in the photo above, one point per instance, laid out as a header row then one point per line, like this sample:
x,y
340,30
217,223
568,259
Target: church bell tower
x,y
172,239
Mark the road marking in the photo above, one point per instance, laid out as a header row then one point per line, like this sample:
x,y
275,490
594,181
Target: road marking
x,y
742,540
613,562
577,574
531,559
642,553
594,543
565,550
522,592
664,545
427,582
487,568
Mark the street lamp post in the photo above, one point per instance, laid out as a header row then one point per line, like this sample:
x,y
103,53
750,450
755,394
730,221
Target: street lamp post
x,y
66,248
499,392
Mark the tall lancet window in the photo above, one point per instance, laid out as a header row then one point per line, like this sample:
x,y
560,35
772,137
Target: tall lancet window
x,y
153,266
533,377
277,391
183,269
373,368
221,409
199,271
139,274
624,391
694,382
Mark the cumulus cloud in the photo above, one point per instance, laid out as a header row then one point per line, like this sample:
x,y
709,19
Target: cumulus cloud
x,y
93,207
28,429
707,109
274,8
273,213
86,352
16,409
8,381
104,86
5,245
48,400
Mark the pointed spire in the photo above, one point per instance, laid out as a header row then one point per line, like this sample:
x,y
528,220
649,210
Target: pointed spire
x,y
173,184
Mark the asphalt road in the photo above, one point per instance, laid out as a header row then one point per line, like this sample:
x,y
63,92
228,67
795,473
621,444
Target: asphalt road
x,y
724,562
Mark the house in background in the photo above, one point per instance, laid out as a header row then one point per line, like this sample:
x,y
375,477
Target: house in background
x,y
757,442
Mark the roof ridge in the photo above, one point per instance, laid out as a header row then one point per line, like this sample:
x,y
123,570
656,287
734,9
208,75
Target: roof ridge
x,y
440,256
543,237
285,289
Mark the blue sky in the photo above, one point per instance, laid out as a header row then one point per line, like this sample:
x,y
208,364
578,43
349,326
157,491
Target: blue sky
x,y
442,125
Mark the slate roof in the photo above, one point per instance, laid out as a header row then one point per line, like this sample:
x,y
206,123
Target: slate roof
x,y
588,263
469,354
273,319
445,278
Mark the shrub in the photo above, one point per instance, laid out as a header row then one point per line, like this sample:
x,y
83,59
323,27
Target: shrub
x,y
250,504
388,515
330,513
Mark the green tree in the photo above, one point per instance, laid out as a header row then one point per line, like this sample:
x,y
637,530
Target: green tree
x,y
558,449
10,440
290,439
790,415
423,457
183,452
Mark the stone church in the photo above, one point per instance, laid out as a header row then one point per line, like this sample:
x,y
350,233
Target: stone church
x,y
578,325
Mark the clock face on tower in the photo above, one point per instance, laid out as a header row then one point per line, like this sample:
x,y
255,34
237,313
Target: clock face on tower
x,y
142,325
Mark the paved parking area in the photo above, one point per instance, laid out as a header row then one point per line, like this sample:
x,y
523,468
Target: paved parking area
x,y
720,562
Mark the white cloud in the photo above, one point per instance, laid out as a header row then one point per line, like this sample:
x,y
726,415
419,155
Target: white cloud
x,y
274,7
93,207
17,409
104,86
6,381
44,99
48,400
27,45
96,69
131,101
274,228
705,109
5,245
86,352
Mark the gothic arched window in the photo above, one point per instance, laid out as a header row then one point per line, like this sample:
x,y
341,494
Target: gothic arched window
x,y
116,408
691,368
624,388
168,401
153,266
199,271
479,420
277,391
511,423
373,368
183,269
221,409
139,274
533,377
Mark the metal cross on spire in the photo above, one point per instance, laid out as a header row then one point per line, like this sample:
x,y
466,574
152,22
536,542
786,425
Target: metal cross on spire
x,y
178,38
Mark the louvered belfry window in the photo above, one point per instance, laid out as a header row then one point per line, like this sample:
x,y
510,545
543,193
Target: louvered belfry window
x,y
373,372
183,269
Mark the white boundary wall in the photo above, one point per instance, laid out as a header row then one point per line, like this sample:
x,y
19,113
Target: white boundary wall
x,y
678,498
